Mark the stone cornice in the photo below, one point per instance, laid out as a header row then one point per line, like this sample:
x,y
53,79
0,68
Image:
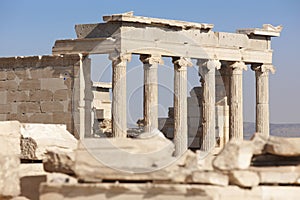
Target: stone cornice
x,y
266,30
129,17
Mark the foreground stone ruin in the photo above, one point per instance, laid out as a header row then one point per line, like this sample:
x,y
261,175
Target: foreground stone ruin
x,y
262,168
144,167
56,122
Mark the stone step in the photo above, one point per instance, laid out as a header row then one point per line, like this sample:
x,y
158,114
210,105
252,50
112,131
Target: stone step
x,y
114,191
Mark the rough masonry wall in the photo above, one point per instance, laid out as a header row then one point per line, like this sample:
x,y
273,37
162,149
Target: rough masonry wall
x,y
38,89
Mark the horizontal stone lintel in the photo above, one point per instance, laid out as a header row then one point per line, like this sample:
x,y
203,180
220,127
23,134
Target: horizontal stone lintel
x,y
39,61
107,45
85,46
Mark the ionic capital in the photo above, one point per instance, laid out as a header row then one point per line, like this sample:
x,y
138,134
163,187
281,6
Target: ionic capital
x,y
180,62
119,58
151,59
209,64
238,66
263,68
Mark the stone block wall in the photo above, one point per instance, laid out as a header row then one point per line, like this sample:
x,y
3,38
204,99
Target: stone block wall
x,y
39,89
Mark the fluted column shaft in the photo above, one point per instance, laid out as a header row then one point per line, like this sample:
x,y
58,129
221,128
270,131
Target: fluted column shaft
x,y
180,105
226,74
236,100
150,91
119,115
262,98
207,73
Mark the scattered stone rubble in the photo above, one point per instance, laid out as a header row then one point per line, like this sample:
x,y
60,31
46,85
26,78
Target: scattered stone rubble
x,y
42,138
144,167
234,173
23,147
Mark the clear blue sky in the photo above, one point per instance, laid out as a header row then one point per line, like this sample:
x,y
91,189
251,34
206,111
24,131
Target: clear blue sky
x,y
31,27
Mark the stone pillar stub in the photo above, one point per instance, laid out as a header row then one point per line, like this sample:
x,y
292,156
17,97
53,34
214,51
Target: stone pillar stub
x,y
262,97
119,115
180,104
236,100
207,72
82,120
151,63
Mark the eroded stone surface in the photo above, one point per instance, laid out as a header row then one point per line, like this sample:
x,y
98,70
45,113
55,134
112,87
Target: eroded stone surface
x,y
9,158
283,146
45,137
9,175
209,177
244,178
181,169
56,161
10,137
235,155
28,148
259,141
205,160
278,175
122,154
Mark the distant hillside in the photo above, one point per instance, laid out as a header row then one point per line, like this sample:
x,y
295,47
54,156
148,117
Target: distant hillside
x,y
283,130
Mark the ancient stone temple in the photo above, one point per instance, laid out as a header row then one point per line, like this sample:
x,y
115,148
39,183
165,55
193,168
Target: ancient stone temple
x,y
221,58
43,98
122,35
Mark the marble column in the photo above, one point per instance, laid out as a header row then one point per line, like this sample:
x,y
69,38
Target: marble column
x,y
83,86
236,100
226,76
226,72
151,63
180,105
207,72
119,115
262,97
